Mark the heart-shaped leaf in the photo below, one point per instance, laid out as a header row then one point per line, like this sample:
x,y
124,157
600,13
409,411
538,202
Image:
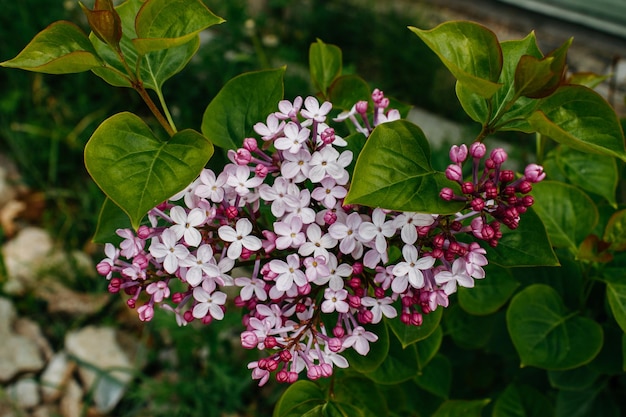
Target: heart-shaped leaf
x,y
465,408
545,335
242,102
61,48
399,365
615,279
567,212
393,171
111,218
579,117
489,294
615,231
300,399
138,171
411,334
522,401
164,24
347,90
428,348
436,378
377,354
470,51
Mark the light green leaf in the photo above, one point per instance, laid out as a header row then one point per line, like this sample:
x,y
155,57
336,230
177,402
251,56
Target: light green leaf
x,y
411,334
470,51
300,399
164,24
428,348
154,68
240,104
393,171
436,377
545,335
615,231
456,408
325,62
578,117
567,212
346,90
513,248
522,401
589,171
489,294
61,48
136,170
615,279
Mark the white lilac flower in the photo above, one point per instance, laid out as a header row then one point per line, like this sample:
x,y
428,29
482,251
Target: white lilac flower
x,y
328,162
239,238
288,273
317,243
282,194
293,138
200,265
301,209
316,267
240,180
295,166
408,222
335,301
347,233
188,194
410,270
314,111
251,287
289,110
380,307
185,224
449,279
289,234
209,302
359,340
270,129
329,192
131,246
211,187
158,290
377,230
169,251
337,274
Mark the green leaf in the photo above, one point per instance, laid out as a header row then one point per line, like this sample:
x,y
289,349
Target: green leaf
x,y
522,401
624,352
300,399
377,354
164,24
428,348
111,218
537,78
242,102
567,212
361,393
592,402
474,105
436,377
325,63
615,279
462,327
513,248
346,90
154,68
407,335
400,364
489,294
61,48
576,379
456,408
470,51
546,336
138,171
591,172
578,117
393,171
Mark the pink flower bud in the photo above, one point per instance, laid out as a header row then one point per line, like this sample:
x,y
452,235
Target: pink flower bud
x,y
261,171
293,377
146,312
477,204
525,187
458,154
246,253
365,317
143,232
534,173
249,340
335,344
446,194
330,217
327,370
103,268
250,144
206,320
498,155
141,261
361,107
377,95
232,212
285,356
383,103
282,376
416,319
467,187
507,176
131,302
354,301
188,316
357,268
487,232
243,157
379,292
114,285
528,200
177,297
477,150
328,136
270,342
454,173
314,372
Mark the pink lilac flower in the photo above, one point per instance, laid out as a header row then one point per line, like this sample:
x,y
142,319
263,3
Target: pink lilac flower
x,y
329,192
335,301
239,238
295,166
293,138
314,111
270,129
211,187
185,224
289,273
289,234
210,302
410,271
317,243
328,162
380,307
378,230
169,251
360,339
200,265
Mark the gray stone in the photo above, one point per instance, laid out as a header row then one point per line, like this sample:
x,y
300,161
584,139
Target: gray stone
x,y
24,393
18,355
55,376
24,256
104,367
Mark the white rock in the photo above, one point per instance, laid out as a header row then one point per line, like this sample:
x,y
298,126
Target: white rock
x,y
24,393
31,330
17,355
23,257
71,404
98,349
55,376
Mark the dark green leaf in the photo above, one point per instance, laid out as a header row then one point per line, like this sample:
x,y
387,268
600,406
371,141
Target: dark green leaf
x,y
377,354
300,399
325,63
347,90
470,51
615,279
537,78
462,327
393,171
436,377
576,379
240,104
593,402
490,293
546,335
567,212
411,334
522,401
513,248
428,348
615,231
111,218
456,408
136,170
361,393
61,48
399,365
580,118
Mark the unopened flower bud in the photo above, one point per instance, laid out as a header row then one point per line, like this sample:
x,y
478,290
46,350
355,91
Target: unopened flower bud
x,y
498,156
458,154
467,187
143,232
528,200
232,212
379,292
249,340
243,157
454,173
105,22
507,175
270,342
330,217
446,194
354,301
339,331
261,171
146,312
250,144
487,232
377,95
525,187
103,268
477,204
416,319
534,173
285,356
477,150
282,376
365,317
361,107
328,136
357,268
114,285
335,344
188,316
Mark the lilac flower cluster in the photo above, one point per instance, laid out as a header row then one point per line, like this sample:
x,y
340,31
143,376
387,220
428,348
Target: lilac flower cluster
x,y
311,272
